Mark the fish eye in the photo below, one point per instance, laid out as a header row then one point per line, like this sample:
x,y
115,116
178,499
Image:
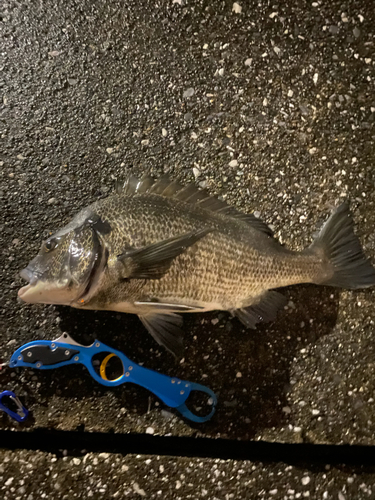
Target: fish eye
x,y
50,244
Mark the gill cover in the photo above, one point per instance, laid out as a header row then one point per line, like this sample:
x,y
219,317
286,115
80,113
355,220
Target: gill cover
x,y
69,264
87,266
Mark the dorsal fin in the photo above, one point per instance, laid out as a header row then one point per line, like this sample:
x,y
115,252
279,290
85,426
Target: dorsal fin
x,y
189,194
160,185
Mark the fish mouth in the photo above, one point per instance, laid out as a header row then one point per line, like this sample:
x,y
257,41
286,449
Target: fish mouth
x,y
38,291
23,290
28,275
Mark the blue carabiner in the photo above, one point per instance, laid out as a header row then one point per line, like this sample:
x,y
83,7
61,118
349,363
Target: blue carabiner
x,y
20,414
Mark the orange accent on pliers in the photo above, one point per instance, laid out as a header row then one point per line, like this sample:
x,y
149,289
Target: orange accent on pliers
x,y
103,367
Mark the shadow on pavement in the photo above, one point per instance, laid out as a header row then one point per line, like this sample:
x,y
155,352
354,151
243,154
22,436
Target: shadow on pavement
x,y
249,370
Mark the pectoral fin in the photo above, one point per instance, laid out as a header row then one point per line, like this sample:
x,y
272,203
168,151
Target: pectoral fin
x,y
263,311
153,261
166,330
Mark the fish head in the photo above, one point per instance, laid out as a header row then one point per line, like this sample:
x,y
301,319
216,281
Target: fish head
x,y
66,266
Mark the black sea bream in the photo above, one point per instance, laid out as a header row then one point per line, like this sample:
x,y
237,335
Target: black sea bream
x,y
157,249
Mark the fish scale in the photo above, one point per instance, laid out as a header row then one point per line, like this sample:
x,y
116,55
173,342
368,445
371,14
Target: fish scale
x,y
220,269
157,249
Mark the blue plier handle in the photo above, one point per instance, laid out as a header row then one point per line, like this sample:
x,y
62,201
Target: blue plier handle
x,y
47,354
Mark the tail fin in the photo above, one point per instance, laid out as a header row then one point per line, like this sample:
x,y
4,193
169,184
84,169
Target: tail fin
x,y
342,248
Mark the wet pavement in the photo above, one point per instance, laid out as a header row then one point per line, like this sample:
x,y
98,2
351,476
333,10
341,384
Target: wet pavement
x,y
271,108
105,475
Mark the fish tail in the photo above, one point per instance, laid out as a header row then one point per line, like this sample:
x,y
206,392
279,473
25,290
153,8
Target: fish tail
x,y
345,265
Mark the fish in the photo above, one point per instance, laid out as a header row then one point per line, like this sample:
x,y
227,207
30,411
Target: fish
x,y
157,248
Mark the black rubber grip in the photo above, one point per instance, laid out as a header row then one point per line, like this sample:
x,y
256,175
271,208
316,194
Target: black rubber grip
x,y
45,355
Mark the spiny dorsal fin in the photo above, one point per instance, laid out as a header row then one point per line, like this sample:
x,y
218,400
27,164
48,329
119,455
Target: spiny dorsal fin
x,y
189,194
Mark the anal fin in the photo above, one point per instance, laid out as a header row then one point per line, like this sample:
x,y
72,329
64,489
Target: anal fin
x,y
264,310
166,330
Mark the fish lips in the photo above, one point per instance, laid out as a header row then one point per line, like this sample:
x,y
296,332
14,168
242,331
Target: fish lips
x,y
28,275
42,292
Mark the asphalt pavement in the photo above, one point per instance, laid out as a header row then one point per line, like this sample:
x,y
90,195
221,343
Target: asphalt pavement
x,y
270,106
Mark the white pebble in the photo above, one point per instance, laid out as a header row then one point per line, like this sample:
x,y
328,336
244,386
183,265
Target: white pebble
x,y
188,92
248,61
196,172
315,412
233,163
305,480
51,201
139,490
164,132
9,481
312,151
238,375
290,93
145,142
150,430
265,101
237,9
315,78
76,461
178,485
109,150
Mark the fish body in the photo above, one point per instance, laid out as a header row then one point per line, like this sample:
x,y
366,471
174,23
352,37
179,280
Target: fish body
x,y
157,249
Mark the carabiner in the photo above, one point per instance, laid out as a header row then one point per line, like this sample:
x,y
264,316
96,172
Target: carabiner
x,y
20,414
